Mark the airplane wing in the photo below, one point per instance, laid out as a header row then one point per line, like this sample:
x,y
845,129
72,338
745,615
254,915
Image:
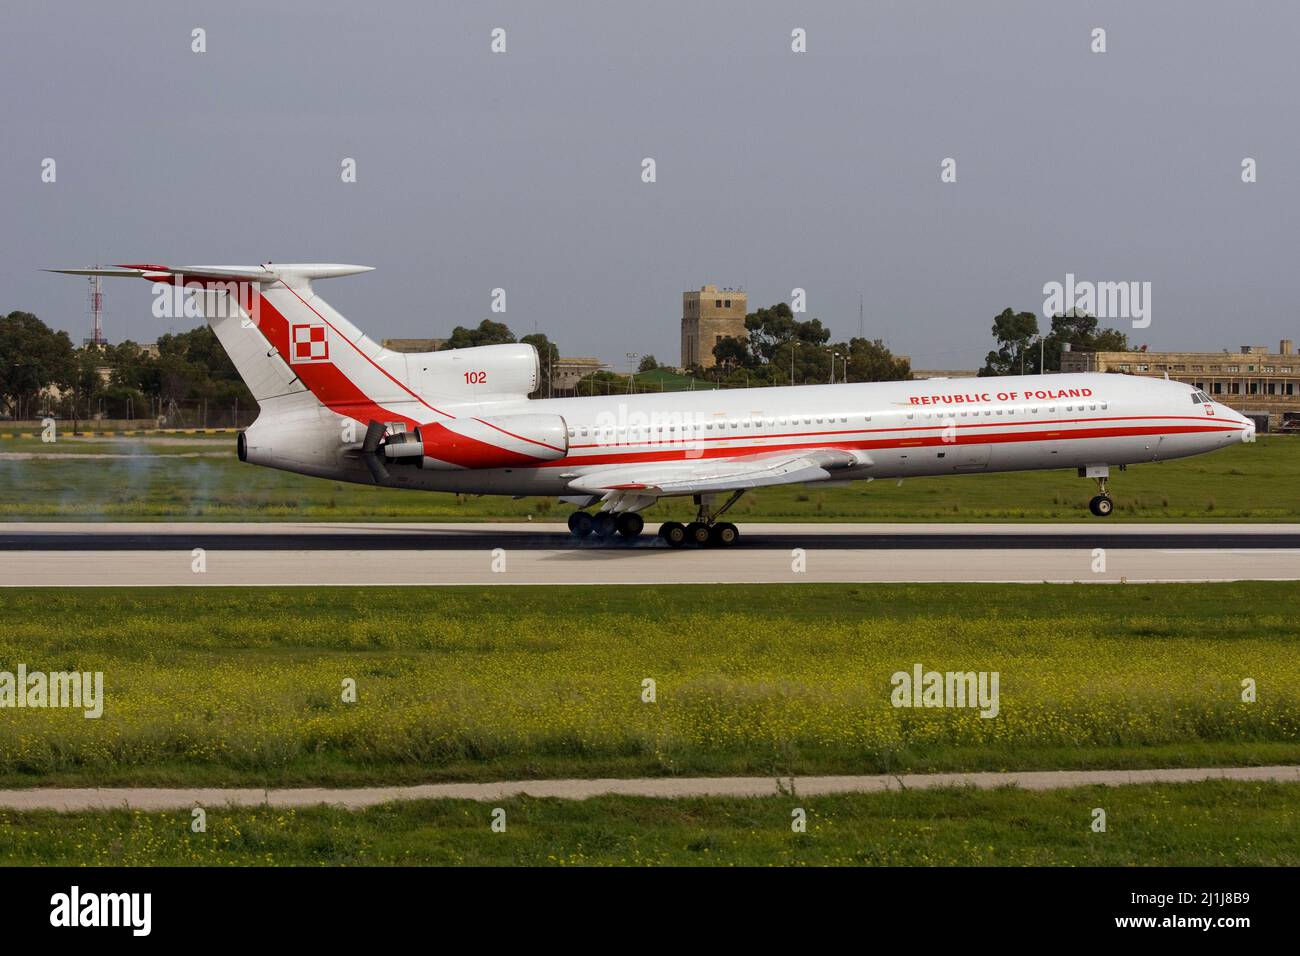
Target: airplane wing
x,y
663,479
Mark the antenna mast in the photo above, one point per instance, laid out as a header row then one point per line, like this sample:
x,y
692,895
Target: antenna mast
x,y
96,312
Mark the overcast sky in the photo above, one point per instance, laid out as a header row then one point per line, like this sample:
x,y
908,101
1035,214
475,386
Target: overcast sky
x,y
774,169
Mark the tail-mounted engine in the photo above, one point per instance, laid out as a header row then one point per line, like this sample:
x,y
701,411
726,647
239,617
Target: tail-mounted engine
x,y
506,441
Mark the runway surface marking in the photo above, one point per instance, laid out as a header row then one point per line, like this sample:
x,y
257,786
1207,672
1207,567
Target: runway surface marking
x,y
286,536
305,555
147,798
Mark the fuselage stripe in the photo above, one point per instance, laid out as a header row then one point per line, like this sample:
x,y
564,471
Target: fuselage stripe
x,y
863,444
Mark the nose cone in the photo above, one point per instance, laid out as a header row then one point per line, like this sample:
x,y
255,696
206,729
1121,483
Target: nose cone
x,y
1246,425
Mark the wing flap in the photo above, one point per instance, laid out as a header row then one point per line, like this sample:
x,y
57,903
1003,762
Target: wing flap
x,y
726,474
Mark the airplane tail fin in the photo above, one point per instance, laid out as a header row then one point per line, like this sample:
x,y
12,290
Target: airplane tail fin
x,y
284,339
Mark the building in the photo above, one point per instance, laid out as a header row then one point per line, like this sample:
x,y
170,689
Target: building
x,y
709,316
1260,384
568,372
413,345
942,372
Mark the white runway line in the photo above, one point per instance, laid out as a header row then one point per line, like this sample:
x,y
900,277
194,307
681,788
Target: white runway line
x,y
145,798
299,565
36,569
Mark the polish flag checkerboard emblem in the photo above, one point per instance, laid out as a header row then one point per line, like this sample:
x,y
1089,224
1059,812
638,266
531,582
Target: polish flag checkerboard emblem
x,y
307,343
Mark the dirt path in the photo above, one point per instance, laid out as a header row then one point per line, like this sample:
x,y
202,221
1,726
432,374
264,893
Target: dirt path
x,y
145,798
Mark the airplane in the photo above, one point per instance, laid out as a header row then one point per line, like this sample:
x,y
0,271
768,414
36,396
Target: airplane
x,y
336,405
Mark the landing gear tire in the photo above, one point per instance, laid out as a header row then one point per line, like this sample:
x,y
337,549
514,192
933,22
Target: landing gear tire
x,y
630,524
723,535
580,524
674,534
604,524
1101,506
697,532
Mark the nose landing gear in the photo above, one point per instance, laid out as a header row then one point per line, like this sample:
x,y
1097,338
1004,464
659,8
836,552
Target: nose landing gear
x,y
1101,505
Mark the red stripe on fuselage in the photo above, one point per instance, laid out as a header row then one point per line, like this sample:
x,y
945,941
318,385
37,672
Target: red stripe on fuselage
x,y
863,444
325,379
531,441
339,336
919,428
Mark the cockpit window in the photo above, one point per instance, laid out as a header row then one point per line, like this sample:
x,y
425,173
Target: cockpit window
x,y
1200,398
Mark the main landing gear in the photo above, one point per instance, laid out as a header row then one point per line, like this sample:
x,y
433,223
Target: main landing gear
x,y
706,530
606,524
1101,505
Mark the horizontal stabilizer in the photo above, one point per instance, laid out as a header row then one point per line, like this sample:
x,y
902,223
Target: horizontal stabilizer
x,y
267,272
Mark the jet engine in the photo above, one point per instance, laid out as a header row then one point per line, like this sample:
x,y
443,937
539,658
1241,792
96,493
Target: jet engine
x,y
502,441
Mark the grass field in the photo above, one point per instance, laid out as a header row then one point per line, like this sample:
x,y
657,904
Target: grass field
x,y
1205,824
199,478
235,686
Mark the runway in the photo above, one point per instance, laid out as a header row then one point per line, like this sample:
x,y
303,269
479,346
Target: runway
x,y
159,799
285,554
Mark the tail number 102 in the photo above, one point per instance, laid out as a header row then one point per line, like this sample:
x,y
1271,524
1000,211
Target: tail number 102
x,y
476,378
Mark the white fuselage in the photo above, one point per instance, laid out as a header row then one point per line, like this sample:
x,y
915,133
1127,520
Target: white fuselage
x,y
896,429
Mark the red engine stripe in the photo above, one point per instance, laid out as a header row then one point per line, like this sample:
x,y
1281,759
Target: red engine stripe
x,y
531,441
447,445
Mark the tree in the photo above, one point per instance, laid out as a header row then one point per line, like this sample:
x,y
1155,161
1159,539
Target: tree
x,y
648,364
1014,332
871,361
732,352
1110,340
1021,352
773,327
1078,330
548,353
33,359
487,333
